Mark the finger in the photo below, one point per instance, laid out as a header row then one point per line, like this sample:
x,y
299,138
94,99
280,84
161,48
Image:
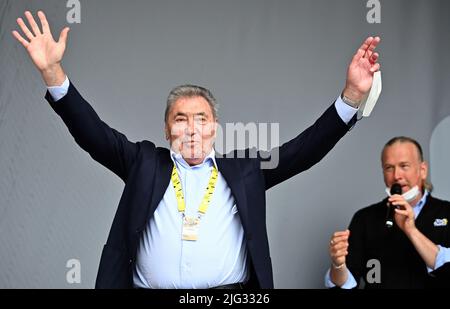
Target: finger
x,y
341,233
341,253
368,54
19,38
32,23
340,246
404,206
338,255
44,23
366,44
335,251
339,239
372,46
396,198
363,48
63,36
402,212
398,201
374,58
398,206
375,68
25,29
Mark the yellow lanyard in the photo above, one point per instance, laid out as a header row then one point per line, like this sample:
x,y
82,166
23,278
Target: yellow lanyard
x,y
206,198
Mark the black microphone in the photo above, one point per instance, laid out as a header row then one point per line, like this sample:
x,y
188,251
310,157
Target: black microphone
x,y
395,189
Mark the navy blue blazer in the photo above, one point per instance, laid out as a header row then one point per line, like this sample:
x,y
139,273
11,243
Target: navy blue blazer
x,y
145,170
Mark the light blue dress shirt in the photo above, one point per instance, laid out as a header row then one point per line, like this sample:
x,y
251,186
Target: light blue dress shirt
x,y
218,257
442,257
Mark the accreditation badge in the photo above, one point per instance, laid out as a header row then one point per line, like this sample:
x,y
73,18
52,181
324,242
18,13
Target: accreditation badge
x,y
191,226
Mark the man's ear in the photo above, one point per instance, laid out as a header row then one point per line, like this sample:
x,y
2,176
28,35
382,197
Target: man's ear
x,y
424,170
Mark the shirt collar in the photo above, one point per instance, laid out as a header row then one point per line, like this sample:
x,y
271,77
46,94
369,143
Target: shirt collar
x,y
418,207
178,158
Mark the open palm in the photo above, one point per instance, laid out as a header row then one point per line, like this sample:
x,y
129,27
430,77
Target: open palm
x,y
44,51
361,69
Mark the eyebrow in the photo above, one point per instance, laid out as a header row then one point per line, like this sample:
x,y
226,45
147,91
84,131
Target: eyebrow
x,y
186,115
402,162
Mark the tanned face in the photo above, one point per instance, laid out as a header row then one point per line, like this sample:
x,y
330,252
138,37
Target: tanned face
x,y
401,164
191,128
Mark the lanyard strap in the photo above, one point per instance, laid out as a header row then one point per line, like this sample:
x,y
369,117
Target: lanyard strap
x,y
206,198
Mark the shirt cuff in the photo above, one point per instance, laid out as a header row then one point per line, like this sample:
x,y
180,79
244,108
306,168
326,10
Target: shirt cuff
x,y
442,257
349,284
345,111
58,92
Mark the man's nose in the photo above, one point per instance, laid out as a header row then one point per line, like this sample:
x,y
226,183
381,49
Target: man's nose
x,y
190,130
397,174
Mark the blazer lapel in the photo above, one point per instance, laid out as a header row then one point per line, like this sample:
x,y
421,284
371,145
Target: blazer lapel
x,y
163,171
230,169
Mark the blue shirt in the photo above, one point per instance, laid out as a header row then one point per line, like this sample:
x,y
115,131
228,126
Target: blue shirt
x,y
218,257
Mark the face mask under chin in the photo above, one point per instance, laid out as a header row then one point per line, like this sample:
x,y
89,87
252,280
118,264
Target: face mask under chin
x,y
410,195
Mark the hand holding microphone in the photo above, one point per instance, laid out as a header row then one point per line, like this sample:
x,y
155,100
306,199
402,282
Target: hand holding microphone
x,y
395,189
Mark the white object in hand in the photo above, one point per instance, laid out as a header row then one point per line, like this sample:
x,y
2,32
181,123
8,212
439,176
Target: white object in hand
x,y
369,102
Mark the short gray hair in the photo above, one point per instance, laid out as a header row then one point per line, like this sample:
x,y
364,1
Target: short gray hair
x,y
190,91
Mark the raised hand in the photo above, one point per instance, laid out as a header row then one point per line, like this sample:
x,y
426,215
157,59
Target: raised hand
x,y
361,69
43,50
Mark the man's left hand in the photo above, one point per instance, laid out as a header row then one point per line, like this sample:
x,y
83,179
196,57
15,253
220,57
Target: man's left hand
x,y
360,71
404,214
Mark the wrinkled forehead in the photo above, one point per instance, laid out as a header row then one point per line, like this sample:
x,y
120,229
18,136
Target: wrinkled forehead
x,y
196,105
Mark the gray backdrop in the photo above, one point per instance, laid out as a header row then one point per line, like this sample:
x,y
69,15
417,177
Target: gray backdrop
x,y
266,61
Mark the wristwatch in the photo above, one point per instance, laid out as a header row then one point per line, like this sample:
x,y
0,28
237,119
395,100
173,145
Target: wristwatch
x,y
338,266
350,102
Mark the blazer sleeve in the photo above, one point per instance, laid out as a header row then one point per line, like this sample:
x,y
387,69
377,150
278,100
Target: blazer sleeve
x,y
306,149
104,144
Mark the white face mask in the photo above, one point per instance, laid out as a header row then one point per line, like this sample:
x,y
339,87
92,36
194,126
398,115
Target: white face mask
x,y
409,196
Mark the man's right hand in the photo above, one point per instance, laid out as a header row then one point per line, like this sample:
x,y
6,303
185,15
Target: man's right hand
x,y
338,247
43,50
338,251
